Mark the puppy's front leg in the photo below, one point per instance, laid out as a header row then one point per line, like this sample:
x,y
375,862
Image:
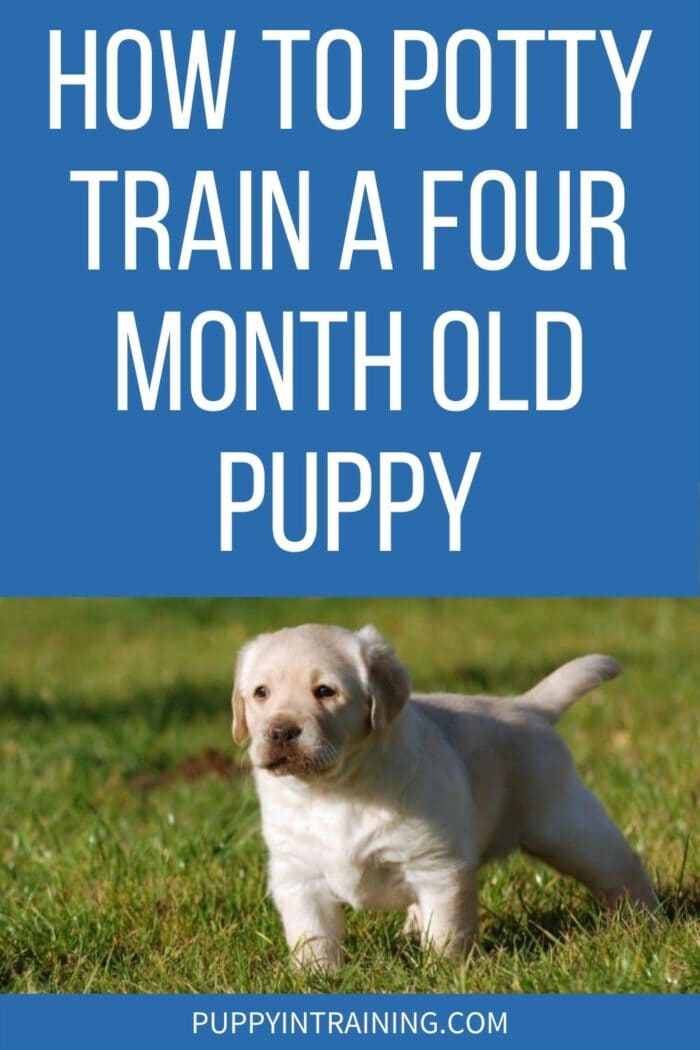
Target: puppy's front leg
x,y
447,903
312,919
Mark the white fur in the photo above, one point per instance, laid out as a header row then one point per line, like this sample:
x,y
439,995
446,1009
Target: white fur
x,y
387,802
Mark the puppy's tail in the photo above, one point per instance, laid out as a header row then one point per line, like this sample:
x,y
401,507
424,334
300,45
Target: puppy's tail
x,y
558,691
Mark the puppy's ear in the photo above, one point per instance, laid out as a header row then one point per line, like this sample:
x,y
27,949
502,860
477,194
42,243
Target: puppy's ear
x,y
240,726
389,681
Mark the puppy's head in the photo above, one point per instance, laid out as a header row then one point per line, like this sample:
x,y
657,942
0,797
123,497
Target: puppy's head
x,y
310,696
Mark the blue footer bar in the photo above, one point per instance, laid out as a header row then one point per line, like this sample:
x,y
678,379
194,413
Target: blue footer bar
x,y
84,1022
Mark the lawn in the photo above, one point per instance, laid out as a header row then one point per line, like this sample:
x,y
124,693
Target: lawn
x,y
130,853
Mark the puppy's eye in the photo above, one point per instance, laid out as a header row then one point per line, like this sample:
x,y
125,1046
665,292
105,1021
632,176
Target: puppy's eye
x,y
261,692
323,692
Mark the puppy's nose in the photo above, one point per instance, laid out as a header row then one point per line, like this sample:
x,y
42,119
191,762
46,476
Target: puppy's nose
x,y
283,732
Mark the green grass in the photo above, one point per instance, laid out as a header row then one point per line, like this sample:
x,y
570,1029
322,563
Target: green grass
x,y
131,858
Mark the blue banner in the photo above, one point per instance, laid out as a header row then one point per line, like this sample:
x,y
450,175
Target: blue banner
x,y
518,1022
395,300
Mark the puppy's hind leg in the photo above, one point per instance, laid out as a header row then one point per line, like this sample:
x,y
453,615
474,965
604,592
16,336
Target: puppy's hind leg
x,y
577,837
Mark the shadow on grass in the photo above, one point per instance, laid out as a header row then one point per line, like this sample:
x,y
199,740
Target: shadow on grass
x,y
542,930
180,701
680,903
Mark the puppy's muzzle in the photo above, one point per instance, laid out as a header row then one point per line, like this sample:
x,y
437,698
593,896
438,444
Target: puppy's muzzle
x,y
282,732
281,740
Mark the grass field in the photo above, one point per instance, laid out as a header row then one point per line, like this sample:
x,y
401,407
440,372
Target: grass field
x,y
131,858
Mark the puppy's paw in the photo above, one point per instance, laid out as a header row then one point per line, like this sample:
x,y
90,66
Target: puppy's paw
x,y
319,954
412,926
454,945
633,885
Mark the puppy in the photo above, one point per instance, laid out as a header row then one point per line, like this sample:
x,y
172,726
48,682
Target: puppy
x,y
380,799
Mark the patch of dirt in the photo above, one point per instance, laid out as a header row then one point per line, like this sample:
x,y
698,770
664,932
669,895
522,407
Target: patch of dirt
x,y
209,762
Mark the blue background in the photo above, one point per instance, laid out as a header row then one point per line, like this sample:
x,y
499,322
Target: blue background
x,y
600,500
543,1021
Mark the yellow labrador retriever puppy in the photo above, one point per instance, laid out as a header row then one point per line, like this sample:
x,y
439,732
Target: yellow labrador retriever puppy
x,y
382,799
